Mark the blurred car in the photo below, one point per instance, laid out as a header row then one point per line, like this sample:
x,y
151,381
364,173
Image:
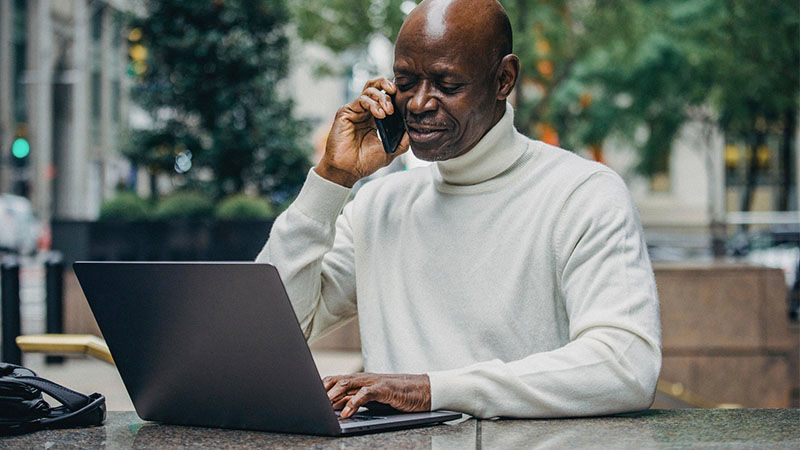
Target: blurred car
x,y
19,227
778,246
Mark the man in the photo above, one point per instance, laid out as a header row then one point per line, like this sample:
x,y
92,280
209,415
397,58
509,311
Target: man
x,y
509,278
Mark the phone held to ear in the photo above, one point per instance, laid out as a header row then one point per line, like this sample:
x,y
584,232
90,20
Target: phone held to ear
x,y
391,130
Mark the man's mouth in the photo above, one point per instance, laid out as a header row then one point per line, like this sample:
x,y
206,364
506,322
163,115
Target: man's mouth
x,y
424,133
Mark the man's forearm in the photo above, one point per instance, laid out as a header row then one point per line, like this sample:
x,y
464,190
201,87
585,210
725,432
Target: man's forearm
x,y
304,244
605,371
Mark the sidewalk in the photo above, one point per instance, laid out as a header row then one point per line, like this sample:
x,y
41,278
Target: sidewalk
x,y
88,375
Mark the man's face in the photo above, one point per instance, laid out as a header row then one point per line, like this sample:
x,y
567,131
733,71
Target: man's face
x,y
445,91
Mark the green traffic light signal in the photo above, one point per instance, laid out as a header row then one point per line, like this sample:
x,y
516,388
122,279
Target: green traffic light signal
x,y
20,148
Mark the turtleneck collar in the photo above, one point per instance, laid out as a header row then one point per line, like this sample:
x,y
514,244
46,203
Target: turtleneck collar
x,y
490,157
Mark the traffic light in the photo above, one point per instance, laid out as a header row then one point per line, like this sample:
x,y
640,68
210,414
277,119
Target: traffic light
x,y
20,160
20,148
137,66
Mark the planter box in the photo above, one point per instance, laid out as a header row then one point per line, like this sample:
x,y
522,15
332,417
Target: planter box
x,y
727,336
176,240
172,240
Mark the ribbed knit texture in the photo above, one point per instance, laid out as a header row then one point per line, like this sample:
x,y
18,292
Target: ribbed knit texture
x,y
515,276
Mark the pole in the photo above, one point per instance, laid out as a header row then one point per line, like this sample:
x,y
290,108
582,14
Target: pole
x,y
9,297
54,278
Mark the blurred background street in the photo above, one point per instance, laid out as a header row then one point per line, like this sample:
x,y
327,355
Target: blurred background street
x,y
178,130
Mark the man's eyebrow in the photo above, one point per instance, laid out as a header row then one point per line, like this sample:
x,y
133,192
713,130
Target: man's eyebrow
x,y
438,73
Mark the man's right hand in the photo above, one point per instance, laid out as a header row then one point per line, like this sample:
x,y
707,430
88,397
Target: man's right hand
x,y
353,150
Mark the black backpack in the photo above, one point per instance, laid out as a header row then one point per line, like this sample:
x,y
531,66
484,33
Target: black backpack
x,y
22,408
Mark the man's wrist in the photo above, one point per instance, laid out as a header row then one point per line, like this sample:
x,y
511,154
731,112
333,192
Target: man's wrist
x,y
334,175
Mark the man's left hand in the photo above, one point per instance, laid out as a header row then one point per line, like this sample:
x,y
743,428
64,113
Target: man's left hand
x,y
410,393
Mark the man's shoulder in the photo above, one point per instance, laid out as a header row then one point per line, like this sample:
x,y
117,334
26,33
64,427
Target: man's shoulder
x,y
569,171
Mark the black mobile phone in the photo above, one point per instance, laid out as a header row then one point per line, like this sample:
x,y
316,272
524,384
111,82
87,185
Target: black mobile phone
x,y
391,129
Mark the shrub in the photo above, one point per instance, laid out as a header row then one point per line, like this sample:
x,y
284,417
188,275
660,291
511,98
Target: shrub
x,y
184,205
125,205
242,206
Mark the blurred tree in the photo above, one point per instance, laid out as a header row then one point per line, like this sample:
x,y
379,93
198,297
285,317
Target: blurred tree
x,y
209,74
756,80
348,25
641,69
596,69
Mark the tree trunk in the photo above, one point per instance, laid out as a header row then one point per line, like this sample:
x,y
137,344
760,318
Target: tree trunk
x,y
153,186
789,124
752,173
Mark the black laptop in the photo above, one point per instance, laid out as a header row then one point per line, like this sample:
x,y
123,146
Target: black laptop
x,y
218,345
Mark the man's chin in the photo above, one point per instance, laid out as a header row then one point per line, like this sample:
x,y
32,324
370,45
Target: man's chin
x,y
433,154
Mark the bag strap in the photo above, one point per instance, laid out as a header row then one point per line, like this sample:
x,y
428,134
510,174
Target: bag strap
x,y
77,409
13,370
69,398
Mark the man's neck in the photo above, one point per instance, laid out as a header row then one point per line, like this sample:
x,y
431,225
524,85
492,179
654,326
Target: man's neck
x,y
493,154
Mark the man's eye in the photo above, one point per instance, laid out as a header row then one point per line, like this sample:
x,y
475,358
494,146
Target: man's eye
x,y
449,88
404,86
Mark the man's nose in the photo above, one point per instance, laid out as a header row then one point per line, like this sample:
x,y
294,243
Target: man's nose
x,y
422,101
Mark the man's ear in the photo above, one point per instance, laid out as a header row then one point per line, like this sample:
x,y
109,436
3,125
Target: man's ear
x,y
507,75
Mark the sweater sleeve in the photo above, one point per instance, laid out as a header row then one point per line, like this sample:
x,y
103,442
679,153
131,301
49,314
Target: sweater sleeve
x,y
311,245
613,359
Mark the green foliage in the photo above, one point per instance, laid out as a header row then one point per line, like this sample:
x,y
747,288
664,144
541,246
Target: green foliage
x,y
125,205
212,84
651,66
346,25
618,68
242,206
184,205
758,77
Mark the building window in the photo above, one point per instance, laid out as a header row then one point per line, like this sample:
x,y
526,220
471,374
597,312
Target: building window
x,y
755,175
116,37
97,24
96,105
116,93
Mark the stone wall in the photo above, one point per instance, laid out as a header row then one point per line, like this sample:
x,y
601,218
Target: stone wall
x,y
727,336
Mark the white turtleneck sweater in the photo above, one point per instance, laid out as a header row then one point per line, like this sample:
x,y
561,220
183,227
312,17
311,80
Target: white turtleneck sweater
x,y
514,275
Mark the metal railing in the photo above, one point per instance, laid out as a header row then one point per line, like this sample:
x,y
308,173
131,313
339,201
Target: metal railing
x,y
10,301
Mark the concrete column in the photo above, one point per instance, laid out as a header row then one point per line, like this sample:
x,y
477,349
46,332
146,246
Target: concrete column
x,y
108,65
6,96
76,162
716,142
715,164
40,98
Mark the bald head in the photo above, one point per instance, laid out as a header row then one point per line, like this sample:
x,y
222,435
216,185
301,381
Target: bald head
x,y
481,24
453,69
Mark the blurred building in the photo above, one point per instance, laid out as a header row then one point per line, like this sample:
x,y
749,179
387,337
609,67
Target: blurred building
x,y
63,88
699,200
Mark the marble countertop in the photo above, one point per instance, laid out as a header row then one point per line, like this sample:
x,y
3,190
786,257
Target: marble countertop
x,y
674,428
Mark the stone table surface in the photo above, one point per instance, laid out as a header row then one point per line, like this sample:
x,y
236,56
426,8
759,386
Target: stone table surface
x,y
673,428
